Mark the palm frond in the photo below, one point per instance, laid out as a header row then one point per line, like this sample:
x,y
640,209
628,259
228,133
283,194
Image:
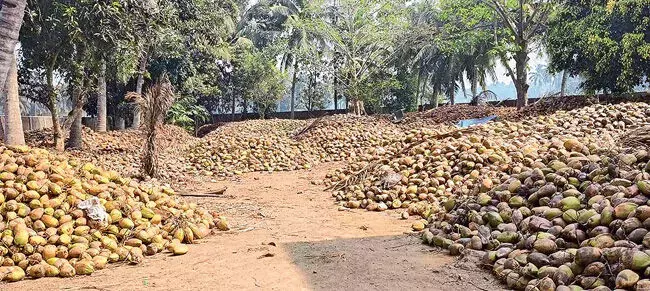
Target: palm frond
x,y
157,100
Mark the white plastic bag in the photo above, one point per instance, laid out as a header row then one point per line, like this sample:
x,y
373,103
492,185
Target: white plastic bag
x,y
94,209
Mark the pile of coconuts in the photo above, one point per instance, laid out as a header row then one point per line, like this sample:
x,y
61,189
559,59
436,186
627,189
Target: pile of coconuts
x,y
44,233
427,170
122,151
427,167
571,210
286,145
453,114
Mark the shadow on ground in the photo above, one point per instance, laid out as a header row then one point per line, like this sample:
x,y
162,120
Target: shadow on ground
x,y
386,263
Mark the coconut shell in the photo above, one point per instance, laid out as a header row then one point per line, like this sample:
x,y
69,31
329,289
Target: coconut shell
x,y
642,285
179,249
623,210
12,274
635,260
545,246
587,255
626,279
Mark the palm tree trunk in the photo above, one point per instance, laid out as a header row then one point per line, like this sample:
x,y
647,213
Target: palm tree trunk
x,y
565,79
293,89
521,84
101,98
474,87
11,19
13,128
233,105
142,67
336,96
452,93
417,90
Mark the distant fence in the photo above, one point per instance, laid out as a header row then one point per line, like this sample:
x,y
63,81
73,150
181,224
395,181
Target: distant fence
x,y
279,115
31,123
226,117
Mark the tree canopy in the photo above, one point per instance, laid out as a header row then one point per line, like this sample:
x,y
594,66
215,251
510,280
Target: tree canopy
x,y
232,56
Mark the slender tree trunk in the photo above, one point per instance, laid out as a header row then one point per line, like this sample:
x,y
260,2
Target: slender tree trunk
x,y
150,162
244,112
101,99
452,93
57,131
565,79
436,94
232,105
417,90
474,87
521,84
293,89
336,94
137,112
13,128
11,19
423,94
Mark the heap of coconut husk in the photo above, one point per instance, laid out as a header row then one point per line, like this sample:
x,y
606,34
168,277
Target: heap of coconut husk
x,y
284,145
121,151
567,210
428,165
59,217
552,104
452,114
556,201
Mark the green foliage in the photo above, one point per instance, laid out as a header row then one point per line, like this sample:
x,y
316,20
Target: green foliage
x,y
67,40
607,43
186,113
404,94
265,84
362,34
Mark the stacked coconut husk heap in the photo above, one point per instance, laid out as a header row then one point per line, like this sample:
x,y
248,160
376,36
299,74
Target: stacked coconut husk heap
x,y
558,201
284,145
122,151
45,232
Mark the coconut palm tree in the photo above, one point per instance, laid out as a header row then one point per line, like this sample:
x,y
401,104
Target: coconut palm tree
x,y
269,21
11,19
479,65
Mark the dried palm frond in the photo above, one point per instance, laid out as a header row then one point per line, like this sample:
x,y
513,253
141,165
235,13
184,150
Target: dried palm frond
x,y
155,103
317,122
133,97
639,137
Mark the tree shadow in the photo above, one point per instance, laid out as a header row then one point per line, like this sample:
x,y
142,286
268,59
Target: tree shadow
x,y
399,262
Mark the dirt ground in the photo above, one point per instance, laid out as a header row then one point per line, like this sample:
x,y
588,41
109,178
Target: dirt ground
x,y
287,234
